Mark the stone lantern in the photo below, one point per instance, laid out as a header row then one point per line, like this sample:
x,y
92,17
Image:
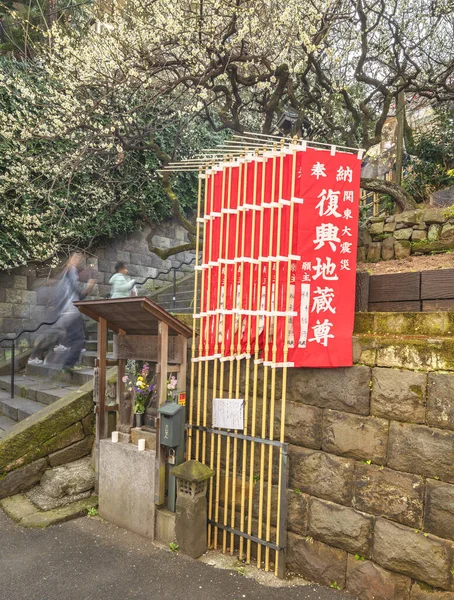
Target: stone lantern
x,y
191,507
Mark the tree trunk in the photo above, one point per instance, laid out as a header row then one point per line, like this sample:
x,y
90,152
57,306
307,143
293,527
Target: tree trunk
x,y
401,197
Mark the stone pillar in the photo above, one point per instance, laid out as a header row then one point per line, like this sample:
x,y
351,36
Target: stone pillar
x,y
191,507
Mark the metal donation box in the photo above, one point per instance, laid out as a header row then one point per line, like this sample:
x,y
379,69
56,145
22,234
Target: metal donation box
x,y
172,424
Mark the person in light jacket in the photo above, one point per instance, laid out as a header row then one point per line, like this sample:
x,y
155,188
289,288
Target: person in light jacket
x,y
121,284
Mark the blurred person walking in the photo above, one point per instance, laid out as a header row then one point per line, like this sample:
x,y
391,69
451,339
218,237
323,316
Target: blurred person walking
x,y
122,286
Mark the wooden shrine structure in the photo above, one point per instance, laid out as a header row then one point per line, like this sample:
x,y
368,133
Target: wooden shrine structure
x,y
143,331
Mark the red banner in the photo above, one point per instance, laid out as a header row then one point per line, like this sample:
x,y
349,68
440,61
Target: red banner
x,y
245,293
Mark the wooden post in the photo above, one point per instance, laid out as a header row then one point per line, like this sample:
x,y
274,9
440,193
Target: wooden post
x,y
126,409
99,393
161,372
101,421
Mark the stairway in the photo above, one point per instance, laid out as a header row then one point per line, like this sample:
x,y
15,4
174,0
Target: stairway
x,y
40,385
184,295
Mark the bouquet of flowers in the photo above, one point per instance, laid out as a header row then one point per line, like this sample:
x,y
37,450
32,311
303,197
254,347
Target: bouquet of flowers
x,y
171,387
141,387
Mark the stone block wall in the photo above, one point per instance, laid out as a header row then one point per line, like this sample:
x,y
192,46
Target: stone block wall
x,y
411,232
371,485
24,292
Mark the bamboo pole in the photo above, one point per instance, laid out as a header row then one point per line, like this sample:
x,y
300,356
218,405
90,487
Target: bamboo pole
x,y
223,351
201,330
285,352
265,368
207,328
239,298
232,368
216,348
194,324
273,370
248,366
256,365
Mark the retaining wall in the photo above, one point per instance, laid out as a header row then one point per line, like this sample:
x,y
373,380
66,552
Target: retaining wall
x,y
371,498
422,231
24,294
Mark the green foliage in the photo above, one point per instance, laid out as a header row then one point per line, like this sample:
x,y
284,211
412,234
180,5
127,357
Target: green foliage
x,y
174,547
335,586
92,512
431,165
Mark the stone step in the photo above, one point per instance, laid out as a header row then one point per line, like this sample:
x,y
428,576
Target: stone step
x,y
44,391
18,409
5,424
78,377
88,358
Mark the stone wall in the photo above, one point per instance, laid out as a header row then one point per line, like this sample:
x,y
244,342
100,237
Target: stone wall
x,y
24,291
411,232
371,498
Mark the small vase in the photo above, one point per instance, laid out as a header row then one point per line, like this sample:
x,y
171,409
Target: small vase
x,y
138,419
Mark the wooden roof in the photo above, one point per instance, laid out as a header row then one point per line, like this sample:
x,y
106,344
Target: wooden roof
x,y
135,316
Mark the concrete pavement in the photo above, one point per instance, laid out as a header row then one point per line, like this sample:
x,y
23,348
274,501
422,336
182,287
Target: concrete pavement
x,y
89,559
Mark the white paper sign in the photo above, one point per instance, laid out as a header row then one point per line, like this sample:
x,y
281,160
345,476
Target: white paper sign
x,y
228,413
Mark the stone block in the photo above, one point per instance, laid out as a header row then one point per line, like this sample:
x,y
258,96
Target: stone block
x,y
340,526
316,561
20,282
28,297
126,487
303,425
387,249
22,479
21,311
399,394
13,325
447,233
421,591
321,475
361,254
368,581
376,228
439,509
141,259
440,403
410,552
421,450
6,310
149,437
418,235
397,496
60,515
389,227
344,389
17,507
434,233
409,217
6,280
433,215
298,512
165,526
88,423
374,252
14,296
402,249
363,438
73,452
403,234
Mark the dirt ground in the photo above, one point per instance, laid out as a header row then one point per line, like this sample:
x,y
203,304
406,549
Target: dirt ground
x,y
412,263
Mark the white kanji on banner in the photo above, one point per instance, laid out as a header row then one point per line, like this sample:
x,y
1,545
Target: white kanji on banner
x,y
328,204
322,332
326,233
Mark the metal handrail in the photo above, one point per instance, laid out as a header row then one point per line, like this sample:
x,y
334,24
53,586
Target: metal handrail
x,y
17,336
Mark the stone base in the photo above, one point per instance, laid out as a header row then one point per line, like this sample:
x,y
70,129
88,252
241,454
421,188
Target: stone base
x,y
142,434
126,487
165,526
